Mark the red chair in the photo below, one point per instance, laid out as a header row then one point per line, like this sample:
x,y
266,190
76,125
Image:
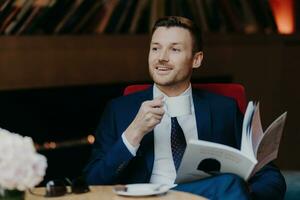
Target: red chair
x,y
233,90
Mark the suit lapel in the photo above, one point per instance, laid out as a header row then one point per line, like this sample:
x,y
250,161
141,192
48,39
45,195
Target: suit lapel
x,y
203,116
148,151
147,144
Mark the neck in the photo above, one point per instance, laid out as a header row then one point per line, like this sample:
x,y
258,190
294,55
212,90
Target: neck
x,y
173,90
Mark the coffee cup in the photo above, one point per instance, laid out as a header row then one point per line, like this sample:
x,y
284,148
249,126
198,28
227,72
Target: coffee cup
x,y
178,106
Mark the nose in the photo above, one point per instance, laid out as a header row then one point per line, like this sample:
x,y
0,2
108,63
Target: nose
x,y
164,56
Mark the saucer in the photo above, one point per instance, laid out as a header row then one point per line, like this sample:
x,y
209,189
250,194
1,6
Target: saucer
x,y
142,189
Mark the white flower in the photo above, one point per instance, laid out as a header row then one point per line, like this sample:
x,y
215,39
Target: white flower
x,y
21,167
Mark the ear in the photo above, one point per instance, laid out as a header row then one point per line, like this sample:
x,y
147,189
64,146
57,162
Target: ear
x,y
197,60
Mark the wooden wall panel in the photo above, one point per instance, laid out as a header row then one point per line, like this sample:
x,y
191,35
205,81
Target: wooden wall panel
x,y
268,66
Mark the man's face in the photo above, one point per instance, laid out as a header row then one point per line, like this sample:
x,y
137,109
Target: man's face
x,y
170,57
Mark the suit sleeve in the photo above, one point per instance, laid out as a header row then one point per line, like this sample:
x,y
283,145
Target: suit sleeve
x,y
109,155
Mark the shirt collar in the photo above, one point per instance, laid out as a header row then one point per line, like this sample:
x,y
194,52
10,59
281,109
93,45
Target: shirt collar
x,y
157,92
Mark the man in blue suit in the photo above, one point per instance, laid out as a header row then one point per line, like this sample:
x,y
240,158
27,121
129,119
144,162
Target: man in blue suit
x,y
137,141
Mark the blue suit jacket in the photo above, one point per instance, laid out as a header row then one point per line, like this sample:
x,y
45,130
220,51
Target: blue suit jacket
x,y
218,120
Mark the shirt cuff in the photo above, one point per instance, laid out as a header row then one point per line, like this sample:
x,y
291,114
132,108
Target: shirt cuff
x,y
131,148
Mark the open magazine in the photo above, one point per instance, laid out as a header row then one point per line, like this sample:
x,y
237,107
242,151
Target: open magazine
x,y
202,158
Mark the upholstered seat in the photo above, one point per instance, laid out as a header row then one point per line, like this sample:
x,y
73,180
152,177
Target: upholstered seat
x,y
233,90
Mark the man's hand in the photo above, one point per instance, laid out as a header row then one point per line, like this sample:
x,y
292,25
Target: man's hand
x,y
149,115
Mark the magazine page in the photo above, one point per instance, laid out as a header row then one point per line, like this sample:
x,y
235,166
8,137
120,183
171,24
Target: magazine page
x,y
257,131
202,159
269,145
246,147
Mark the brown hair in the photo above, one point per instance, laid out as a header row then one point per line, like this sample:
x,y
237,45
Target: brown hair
x,y
176,21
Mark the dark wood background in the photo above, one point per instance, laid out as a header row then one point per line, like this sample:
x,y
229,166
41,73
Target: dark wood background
x,y
267,65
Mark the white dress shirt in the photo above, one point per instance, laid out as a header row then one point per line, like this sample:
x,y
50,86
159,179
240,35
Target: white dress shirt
x,y
163,167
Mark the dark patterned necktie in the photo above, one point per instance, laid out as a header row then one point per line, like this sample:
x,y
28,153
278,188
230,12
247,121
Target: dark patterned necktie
x,y
178,143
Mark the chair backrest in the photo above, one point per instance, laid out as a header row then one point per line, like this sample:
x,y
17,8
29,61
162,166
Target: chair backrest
x,y
233,90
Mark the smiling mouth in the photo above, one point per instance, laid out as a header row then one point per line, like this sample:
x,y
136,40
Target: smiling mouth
x,y
163,68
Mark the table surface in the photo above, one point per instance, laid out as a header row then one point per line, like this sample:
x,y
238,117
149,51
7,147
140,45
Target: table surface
x,y
105,192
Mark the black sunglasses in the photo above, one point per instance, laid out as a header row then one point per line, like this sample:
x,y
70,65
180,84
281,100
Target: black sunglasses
x,y
56,188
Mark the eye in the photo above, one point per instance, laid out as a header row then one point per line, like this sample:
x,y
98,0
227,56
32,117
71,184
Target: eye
x,y
175,49
154,48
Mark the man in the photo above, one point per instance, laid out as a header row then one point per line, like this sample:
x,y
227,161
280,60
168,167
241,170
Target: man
x,y
134,140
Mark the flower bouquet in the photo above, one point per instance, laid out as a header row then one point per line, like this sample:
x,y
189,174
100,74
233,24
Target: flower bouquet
x,y
21,167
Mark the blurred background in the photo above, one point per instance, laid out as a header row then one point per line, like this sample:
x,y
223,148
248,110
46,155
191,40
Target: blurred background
x,y
62,60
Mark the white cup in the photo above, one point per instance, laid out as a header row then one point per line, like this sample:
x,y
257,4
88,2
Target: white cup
x,y
178,106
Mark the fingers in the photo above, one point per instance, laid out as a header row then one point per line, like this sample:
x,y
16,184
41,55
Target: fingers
x,y
149,115
156,102
157,111
152,123
155,107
